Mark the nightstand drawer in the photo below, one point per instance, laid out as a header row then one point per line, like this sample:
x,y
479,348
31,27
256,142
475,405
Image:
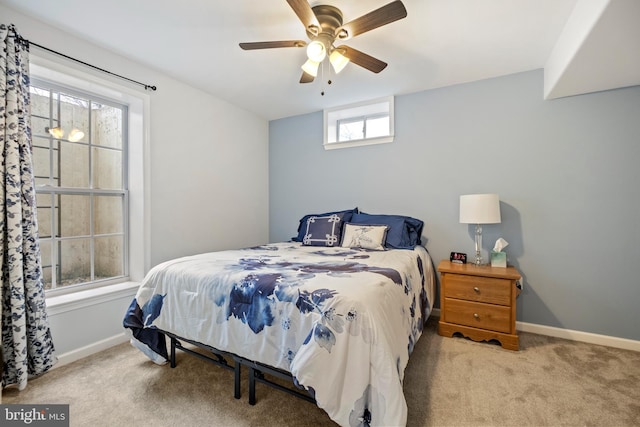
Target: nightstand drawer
x,y
481,289
484,316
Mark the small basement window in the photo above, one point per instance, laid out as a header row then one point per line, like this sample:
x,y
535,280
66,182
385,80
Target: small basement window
x,y
365,123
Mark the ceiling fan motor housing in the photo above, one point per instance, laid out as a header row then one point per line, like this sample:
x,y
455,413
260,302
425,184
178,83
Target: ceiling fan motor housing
x,y
330,19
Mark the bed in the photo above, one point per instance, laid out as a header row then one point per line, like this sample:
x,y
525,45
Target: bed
x,y
341,321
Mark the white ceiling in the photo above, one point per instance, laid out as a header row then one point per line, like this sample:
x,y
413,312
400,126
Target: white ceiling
x,y
439,43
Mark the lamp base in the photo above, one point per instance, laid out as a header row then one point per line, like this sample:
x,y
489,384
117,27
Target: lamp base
x,y
478,241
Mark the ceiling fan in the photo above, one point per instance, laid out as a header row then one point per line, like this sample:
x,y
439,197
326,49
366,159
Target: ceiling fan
x,y
324,26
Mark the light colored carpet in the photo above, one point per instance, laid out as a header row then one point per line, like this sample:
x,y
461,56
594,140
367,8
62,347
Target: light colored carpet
x,y
449,382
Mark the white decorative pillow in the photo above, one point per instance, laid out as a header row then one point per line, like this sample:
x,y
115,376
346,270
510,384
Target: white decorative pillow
x,y
364,236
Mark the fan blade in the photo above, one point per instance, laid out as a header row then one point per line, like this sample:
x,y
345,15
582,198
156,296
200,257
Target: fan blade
x,y
270,45
306,78
305,14
372,20
362,59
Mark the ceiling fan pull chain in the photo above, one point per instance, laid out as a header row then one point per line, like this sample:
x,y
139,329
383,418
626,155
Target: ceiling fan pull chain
x,y
322,77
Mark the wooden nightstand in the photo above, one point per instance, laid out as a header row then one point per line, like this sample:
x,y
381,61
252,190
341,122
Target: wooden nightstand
x,y
479,302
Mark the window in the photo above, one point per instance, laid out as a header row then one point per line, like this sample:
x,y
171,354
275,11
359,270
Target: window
x,y
80,168
365,123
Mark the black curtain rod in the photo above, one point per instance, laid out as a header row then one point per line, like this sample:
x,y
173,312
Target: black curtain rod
x,y
146,86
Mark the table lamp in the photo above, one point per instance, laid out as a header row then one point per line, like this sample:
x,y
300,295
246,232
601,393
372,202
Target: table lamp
x,y
479,209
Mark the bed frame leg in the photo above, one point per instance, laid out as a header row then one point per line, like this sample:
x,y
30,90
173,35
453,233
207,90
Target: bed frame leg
x,y
236,380
252,386
173,352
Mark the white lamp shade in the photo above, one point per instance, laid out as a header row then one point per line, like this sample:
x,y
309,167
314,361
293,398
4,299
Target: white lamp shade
x,y
310,67
316,51
480,209
338,60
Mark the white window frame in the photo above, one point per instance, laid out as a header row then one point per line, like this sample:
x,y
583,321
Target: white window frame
x,y
138,171
361,111
89,191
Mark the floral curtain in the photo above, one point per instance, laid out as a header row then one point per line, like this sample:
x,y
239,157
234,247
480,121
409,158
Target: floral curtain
x,y
27,348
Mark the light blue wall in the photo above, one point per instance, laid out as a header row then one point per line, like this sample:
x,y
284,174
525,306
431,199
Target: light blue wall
x,y
567,172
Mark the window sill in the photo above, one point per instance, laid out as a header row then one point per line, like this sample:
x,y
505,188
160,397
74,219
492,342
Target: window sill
x,y
358,142
68,302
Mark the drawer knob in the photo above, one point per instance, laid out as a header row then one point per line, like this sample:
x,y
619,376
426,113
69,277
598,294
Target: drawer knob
x,y
477,289
476,315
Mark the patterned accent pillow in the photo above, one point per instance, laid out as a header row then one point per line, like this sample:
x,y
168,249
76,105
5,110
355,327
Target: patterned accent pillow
x,y
302,225
323,230
366,236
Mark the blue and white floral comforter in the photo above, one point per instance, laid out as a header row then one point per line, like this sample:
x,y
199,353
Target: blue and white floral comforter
x,y
342,321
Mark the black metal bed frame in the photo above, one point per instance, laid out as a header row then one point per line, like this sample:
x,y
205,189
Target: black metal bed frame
x,y
256,370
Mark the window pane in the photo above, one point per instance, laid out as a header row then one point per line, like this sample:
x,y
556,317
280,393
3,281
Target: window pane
x,y
39,102
41,142
107,125
107,214
107,169
109,260
74,165
40,125
351,130
74,215
75,257
45,213
378,127
74,118
41,164
40,107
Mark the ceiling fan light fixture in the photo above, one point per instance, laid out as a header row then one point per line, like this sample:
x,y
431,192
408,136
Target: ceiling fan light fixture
x,y
316,51
324,25
338,60
310,67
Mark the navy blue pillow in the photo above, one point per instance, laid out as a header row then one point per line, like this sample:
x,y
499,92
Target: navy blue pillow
x,y
302,226
404,231
323,230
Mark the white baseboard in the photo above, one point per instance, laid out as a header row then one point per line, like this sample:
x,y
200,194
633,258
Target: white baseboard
x,y
80,353
568,334
572,335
